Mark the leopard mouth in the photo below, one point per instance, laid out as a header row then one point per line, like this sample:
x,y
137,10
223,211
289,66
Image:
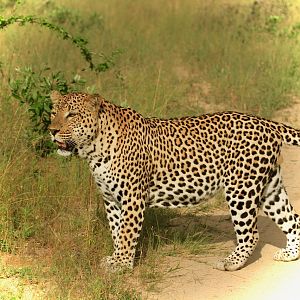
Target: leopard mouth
x,y
61,145
65,145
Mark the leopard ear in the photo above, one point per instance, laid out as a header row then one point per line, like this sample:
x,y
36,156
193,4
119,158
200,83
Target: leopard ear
x,y
95,103
55,96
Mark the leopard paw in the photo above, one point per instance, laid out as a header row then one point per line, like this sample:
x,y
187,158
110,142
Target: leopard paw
x,y
228,265
111,264
286,255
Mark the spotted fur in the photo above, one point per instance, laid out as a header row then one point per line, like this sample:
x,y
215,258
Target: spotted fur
x,y
139,162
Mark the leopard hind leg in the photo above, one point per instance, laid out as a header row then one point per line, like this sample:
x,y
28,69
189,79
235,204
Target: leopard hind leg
x,y
243,208
275,204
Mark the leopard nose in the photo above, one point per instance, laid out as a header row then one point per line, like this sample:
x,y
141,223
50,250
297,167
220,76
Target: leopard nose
x,y
54,131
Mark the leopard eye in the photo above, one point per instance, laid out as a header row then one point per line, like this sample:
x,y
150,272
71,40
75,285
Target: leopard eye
x,y
52,115
71,113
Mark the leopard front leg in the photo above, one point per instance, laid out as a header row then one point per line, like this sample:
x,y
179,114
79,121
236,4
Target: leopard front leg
x,y
126,235
113,214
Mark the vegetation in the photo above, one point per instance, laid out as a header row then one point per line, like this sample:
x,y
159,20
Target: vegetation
x,y
162,58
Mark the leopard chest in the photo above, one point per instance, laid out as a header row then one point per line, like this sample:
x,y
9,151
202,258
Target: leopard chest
x,y
105,179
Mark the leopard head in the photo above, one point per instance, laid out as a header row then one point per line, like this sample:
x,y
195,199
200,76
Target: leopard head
x,y
74,120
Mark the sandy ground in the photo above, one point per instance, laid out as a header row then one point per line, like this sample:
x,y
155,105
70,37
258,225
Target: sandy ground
x,y
262,278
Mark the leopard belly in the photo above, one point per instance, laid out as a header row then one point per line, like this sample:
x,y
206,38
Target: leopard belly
x,y
184,192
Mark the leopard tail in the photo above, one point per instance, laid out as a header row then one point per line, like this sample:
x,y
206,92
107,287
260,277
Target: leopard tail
x,y
290,135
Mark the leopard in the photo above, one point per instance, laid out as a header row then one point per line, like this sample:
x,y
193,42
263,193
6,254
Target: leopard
x,y
139,162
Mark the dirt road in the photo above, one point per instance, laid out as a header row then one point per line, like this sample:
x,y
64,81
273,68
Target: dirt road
x,y
262,278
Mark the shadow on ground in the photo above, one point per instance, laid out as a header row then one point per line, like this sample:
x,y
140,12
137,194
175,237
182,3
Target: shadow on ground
x,y
214,230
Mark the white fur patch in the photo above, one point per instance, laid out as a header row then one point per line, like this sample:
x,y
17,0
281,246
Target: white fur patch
x,y
64,152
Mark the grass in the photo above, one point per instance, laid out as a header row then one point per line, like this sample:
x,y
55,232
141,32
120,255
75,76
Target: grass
x,y
177,58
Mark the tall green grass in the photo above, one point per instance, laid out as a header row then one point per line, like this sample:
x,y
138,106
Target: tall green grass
x,y
170,49
177,58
